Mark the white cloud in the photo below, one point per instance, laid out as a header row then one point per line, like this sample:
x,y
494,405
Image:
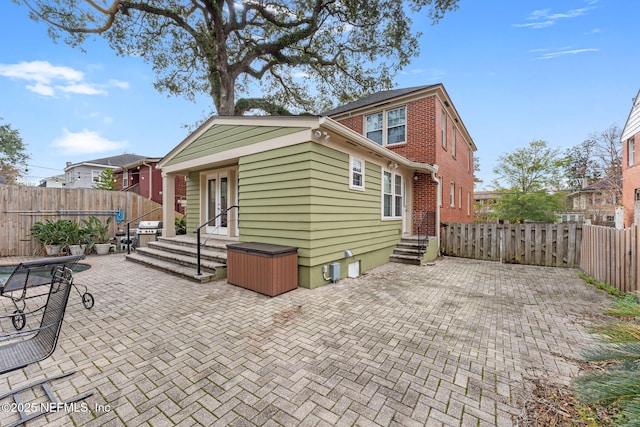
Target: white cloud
x,y
40,71
41,89
543,18
557,54
47,79
535,25
82,89
85,142
119,84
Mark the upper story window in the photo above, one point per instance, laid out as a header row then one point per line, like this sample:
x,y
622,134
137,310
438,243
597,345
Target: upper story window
x,y
453,142
443,125
95,175
356,174
631,151
387,127
125,179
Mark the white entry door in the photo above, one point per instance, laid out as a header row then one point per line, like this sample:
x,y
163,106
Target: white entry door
x,y
217,202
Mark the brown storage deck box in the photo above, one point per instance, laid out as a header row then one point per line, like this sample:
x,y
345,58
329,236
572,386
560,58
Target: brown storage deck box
x,y
268,269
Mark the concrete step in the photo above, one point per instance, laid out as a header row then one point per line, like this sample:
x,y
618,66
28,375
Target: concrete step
x,y
205,241
405,259
206,252
186,260
407,251
176,269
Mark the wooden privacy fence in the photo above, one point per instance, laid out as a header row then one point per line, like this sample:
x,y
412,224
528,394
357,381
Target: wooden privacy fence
x,y
555,245
21,207
612,256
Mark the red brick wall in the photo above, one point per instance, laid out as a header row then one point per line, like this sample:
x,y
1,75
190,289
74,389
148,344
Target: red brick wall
x,y
457,169
424,145
630,179
355,123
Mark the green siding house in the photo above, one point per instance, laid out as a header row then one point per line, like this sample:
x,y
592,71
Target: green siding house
x,y
302,181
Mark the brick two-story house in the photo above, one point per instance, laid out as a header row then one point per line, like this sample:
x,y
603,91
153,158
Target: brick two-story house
x,y
630,139
421,124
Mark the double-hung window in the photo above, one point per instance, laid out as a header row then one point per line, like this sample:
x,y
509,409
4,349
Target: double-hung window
x,y
443,129
374,128
631,151
125,179
387,127
392,193
356,174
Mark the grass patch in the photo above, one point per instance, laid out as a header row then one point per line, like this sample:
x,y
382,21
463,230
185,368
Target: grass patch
x,y
609,289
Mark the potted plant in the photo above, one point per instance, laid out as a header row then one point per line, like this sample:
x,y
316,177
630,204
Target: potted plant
x,y
74,237
50,235
98,234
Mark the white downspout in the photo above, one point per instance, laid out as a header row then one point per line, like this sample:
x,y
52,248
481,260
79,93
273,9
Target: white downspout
x,y
438,203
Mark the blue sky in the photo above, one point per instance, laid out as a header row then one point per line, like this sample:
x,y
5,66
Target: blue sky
x,y
517,71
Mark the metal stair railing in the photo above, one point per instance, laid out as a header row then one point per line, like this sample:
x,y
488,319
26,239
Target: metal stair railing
x,y
224,212
424,221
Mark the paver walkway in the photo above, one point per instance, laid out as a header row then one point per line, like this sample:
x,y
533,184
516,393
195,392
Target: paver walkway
x,y
450,344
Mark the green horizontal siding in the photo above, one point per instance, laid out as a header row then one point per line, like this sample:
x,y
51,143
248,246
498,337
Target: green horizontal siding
x,y
300,196
192,210
221,138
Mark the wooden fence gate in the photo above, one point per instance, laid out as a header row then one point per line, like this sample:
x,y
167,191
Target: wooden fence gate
x,y
556,245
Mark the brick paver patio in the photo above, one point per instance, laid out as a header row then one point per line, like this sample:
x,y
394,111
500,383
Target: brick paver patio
x,y
449,344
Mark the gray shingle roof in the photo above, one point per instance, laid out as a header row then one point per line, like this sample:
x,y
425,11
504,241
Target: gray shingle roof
x,y
119,160
375,98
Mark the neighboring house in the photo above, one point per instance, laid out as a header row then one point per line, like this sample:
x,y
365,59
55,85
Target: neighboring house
x,y
596,203
86,174
57,181
421,124
312,183
144,178
631,165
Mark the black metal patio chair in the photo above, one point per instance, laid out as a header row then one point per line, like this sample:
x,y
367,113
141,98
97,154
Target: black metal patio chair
x,y
21,348
31,274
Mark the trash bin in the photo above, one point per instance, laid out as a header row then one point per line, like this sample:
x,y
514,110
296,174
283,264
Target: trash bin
x,y
262,267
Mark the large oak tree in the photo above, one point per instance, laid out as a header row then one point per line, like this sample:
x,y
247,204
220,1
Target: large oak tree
x,y
300,53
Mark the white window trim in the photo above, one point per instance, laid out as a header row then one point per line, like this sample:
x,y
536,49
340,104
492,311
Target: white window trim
x,y
125,179
385,125
351,173
95,175
393,217
631,151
